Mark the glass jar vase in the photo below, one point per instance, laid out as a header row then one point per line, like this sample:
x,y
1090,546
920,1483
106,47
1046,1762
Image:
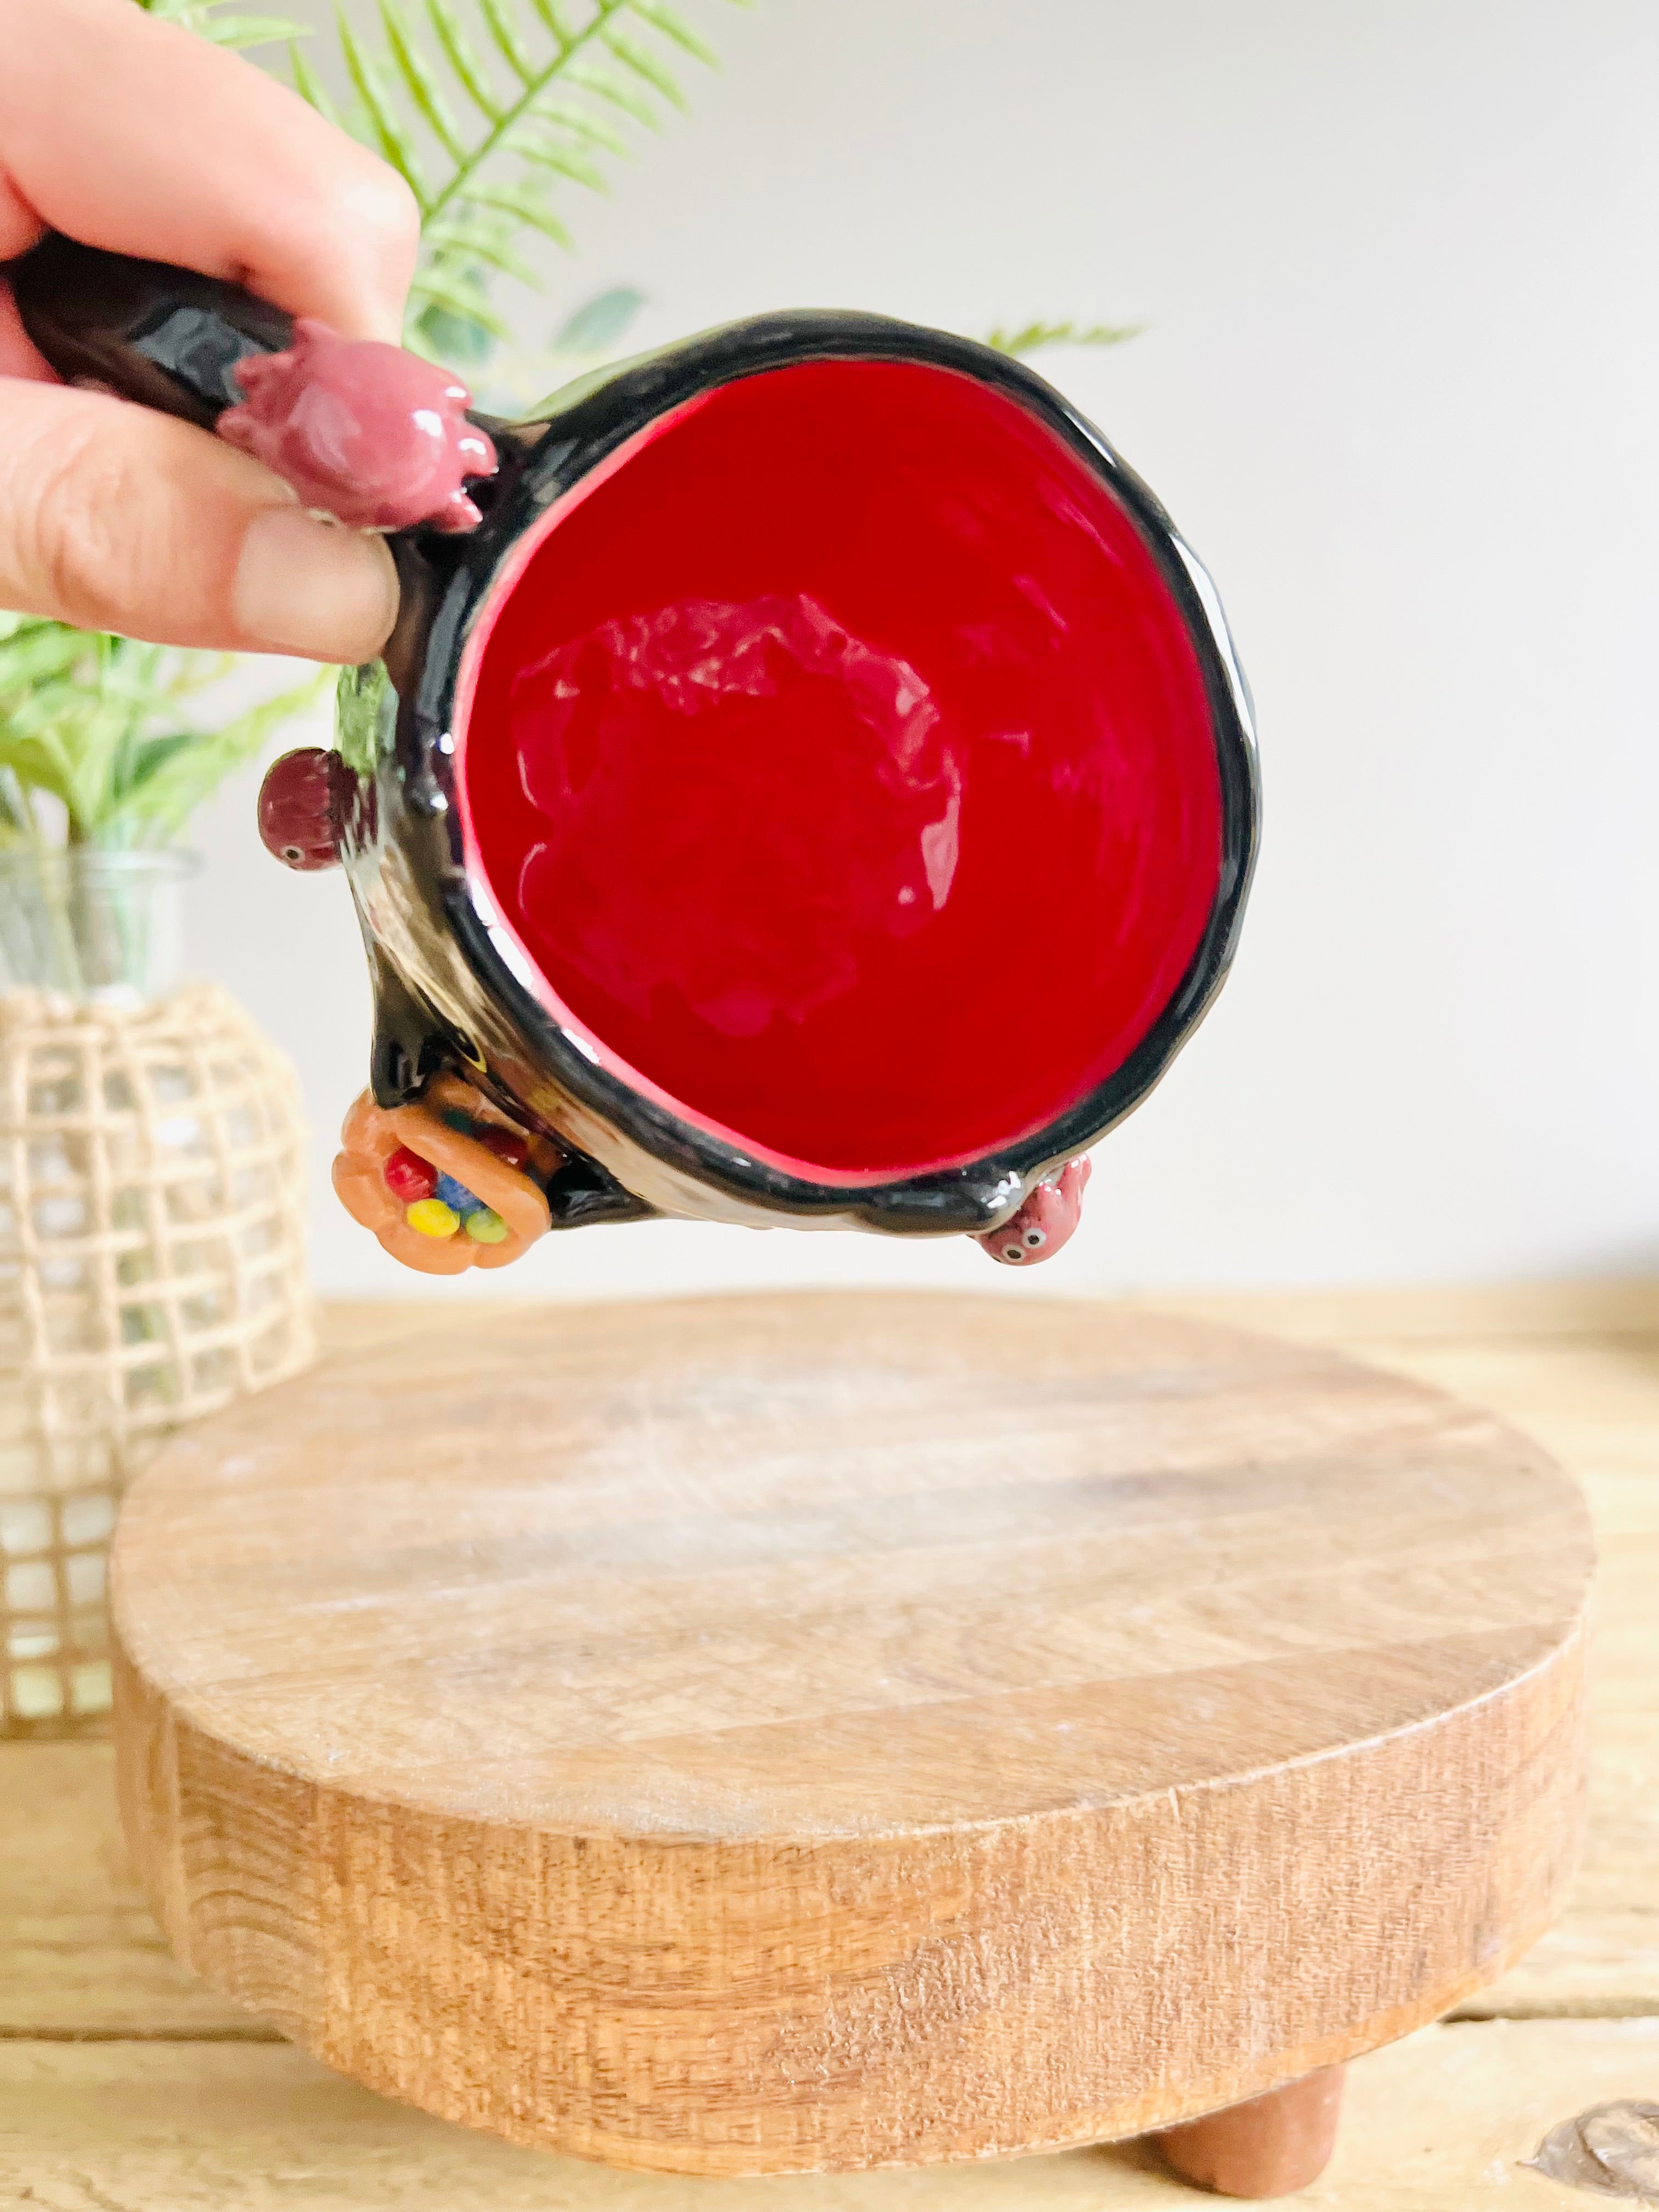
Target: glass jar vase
x,y
152,1238
98,925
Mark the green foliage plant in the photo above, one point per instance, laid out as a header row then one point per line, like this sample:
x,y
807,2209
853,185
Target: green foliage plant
x,y
1021,339
491,111
110,729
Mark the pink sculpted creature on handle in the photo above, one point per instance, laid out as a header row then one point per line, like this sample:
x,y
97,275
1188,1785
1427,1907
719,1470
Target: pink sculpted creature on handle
x,y
363,431
1045,1223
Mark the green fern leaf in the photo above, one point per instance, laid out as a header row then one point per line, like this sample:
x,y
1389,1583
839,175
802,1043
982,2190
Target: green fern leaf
x,y
616,91
554,22
454,341
527,208
1031,338
582,122
441,290
675,26
579,70
646,67
505,33
310,86
419,82
238,31
565,163
204,19
468,71
599,323
384,119
479,242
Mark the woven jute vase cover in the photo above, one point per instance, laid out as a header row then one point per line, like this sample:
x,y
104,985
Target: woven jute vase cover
x,y
152,1268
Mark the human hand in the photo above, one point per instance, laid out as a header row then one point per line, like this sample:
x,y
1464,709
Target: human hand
x,y
134,134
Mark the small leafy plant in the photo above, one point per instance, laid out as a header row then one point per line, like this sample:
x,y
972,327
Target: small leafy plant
x,y
110,729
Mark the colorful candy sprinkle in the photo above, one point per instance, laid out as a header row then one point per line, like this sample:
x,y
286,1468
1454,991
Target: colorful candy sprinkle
x,y
438,1204
408,1176
430,1216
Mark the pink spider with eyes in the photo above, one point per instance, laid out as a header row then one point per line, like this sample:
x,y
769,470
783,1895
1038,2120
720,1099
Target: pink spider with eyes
x,y
1045,1223
364,431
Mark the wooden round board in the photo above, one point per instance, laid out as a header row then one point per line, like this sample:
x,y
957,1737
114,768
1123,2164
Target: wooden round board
x,y
750,1735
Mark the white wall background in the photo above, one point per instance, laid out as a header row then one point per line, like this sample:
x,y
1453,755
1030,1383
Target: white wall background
x,y
1398,387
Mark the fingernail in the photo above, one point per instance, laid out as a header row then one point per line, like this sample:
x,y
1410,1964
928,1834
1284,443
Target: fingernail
x,y
308,586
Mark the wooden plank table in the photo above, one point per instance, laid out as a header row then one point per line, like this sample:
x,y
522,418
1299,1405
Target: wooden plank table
x,y
125,2087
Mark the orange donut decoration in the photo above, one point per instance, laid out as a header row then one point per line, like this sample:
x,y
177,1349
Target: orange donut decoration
x,y
437,1183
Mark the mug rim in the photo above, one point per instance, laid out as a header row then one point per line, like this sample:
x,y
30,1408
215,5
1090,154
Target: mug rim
x,y
572,441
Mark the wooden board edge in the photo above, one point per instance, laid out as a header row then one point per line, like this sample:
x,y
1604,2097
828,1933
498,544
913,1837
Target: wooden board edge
x,y
346,1922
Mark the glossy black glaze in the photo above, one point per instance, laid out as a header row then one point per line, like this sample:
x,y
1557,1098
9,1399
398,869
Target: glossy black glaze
x,y
166,337
445,996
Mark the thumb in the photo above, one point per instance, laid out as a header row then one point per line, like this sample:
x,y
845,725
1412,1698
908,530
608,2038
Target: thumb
x,y
113,517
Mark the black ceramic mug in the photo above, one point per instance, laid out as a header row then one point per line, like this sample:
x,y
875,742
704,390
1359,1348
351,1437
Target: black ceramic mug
x,y
819,790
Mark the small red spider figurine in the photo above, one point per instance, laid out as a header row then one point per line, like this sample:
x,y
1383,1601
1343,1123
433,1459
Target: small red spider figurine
x,y
300,808
1045,1223
364,431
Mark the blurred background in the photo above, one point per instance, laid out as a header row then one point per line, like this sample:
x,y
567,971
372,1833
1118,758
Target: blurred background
x,y
1396,385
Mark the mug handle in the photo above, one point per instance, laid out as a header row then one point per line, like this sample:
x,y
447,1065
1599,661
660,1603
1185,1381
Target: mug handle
x,y
393,449
165,338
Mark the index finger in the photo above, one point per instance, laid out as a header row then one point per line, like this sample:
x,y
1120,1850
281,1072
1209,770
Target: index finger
x,y
136,134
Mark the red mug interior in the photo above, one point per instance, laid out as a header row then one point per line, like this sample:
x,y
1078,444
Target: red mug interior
x,y
840,763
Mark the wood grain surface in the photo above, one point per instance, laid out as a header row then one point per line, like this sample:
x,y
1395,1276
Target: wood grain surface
x,y
760,1735
1444,2122
120,2085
